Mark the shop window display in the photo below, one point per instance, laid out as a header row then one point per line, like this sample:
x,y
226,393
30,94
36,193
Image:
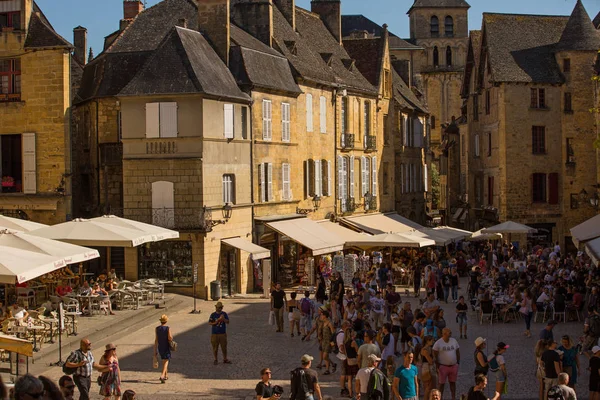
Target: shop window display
x,y
170,261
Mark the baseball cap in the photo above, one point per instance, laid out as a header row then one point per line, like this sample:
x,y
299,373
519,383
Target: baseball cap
x,y
595,349
306,359
479,341
502,345
373,358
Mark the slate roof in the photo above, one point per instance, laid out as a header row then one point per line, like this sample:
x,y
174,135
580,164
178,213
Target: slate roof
x,y
596,21
580,33
184,63
521,47
439,4
40,32
309,46
473,55
351,23
368,54
404,95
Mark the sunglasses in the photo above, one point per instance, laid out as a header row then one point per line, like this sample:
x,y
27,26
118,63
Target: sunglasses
x,y
70,387
35,395
268,373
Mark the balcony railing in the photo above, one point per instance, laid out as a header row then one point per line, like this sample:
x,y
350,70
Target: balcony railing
x,y
370,143
371,204
10,97
171,218
348,205
347,141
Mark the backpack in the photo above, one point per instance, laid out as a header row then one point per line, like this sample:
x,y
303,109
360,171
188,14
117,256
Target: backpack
x,y
595,326
305,306
335,349
493,363
378,387
299,384
68,370
554,393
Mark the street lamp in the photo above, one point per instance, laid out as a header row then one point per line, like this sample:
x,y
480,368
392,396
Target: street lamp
x,y
368,199
209,223
594,200
316,201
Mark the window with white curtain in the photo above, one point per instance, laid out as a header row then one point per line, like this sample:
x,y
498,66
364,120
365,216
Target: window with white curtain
x,y
228,189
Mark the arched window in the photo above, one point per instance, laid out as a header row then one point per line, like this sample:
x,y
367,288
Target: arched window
x,y
435,26
436,57
448,56
449,25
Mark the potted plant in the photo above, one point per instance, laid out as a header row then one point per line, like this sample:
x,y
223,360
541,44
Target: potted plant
x,y
8,181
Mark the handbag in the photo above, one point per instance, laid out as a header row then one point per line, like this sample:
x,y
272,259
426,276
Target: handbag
x,y
523,310
172,345
296,315
272,318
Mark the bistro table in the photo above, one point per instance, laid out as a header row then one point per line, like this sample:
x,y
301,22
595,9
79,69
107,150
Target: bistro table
x,y
73,314
35,329
51,322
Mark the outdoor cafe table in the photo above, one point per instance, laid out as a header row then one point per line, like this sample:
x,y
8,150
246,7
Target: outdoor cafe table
x,y
35,329
50,321
73,314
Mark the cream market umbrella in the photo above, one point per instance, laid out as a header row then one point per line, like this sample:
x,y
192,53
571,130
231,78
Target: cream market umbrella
x,y
19,224
70,253
510,227
23,265
391,240
587,230
16,345
157,232
480,236
87,232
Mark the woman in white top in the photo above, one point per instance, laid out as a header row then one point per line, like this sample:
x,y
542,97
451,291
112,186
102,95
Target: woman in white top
x,y
498,366
350,312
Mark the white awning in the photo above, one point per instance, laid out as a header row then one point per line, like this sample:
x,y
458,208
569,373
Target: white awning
x,y
391,240
345,233
309,234
454,233
376,224
587,230
592,249
440,238
256,252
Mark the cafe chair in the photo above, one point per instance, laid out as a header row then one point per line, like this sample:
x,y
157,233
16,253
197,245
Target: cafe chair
x,y
486,310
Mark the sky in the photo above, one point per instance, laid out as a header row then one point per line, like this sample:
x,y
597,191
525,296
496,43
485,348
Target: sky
x,y
102,17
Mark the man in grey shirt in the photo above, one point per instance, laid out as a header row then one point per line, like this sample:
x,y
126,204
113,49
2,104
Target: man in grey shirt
x,y
566,392
368,348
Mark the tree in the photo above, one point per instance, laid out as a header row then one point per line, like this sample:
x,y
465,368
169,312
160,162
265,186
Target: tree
x,y
435,186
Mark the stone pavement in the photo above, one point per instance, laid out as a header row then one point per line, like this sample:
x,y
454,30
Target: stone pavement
x,y
253,344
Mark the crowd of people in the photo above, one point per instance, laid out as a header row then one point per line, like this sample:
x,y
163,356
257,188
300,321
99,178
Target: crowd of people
x,y
365,330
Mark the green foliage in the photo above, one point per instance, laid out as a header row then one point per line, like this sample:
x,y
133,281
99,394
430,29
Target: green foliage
x,y
435,185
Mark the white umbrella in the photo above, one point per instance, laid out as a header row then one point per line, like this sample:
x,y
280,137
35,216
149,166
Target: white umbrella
x,y
87,232
587,230
19,224
454,233
480,236
24,265
391,240
157,232
70,253
510,227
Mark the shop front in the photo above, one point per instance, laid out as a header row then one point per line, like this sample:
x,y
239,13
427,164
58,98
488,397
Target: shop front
x,y
237,255
166,260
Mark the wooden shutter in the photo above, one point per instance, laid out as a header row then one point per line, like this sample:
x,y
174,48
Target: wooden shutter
x,y
476,145
374,175
329,180
228,120
285,171
553,188
323,114
425,177
364,186
261,182
351,179
401,178
269,182
152,120
310,179
267,121
309,113
340,177
29,163
168,120
285,122
490,190
318,178
405,123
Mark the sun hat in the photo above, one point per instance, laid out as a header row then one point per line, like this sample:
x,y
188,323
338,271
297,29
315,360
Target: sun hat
x,y
110,347
306,358
219,305
164,319
479,341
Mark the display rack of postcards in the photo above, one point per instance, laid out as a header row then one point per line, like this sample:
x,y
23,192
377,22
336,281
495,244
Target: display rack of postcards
x,y
350,266
364,263
287,278
167,260
338,263
377,257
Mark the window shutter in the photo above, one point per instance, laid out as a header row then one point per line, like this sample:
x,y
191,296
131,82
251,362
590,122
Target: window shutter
x,y
285,122
401,178
29,163
318,177
168,120
306,180
340,177
228,120
364,186
490,190
476,145
267,121
152,120
329,185
323,114
269,182
351,176
310,180
286,182
374,175
309,113
261,181
406,178
425,183
405,123
553,188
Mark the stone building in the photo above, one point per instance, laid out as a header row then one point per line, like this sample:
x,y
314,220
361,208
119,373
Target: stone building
x,y
35,129
528,93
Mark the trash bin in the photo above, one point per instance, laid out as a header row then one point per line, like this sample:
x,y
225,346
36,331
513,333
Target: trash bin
x,y
215,290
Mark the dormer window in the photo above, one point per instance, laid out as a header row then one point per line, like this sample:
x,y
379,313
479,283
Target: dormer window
x,y
10,20
435,26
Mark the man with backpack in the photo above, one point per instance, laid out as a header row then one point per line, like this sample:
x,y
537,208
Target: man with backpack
x,y
80,363
363,375
562,391
305,381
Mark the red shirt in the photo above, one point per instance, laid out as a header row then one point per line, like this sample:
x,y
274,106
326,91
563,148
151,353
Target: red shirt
x,y
63,290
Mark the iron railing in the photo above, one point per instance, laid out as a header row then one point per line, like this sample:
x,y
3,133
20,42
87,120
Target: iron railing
x,y
347,141
370,142
171,218
371,204
348,205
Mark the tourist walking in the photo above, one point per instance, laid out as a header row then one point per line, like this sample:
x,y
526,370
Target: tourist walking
x,y
476,392
368,348
526,310
594,369
327,330
552,367
363,375
454,280
305,381
278,304
446,354
570,359
219,321
294,314
446,284
546,332
481,359
461,316
406,318
163,336
428,371
351,361
306,310
387,342
264,388
417,280
110,381
405,385
562,391
83,360
540,347
497,365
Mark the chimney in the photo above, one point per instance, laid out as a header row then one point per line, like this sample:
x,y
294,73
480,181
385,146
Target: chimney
x,y
131,8
288,9
213,23
330,12
80,41
255,17
182,22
